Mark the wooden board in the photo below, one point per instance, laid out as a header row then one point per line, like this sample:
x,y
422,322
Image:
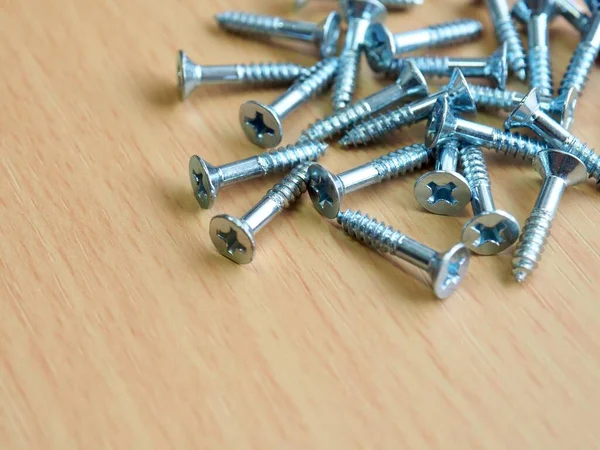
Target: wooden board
x,y
121,327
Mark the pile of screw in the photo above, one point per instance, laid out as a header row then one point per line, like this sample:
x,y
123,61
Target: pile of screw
x,y
451,141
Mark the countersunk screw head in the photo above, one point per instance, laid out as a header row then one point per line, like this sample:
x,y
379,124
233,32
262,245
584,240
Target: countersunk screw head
x,y
189,75
451,270
523,113
498,66
325,190
380,47
562,108
491,232
412,81
370,10
329,30
561,164
261,124
439,124
202,179
233,238
459,95
443,192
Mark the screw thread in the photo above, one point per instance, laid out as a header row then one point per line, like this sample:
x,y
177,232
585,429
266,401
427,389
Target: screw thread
x,y
455,32
579,67
540,70
529,249
345,80
587,155
506,32
376,235
488,97
428,65
289,156
243,22
320,77
290,188
474,167
515,144
337,122
270,72
378,126
401,161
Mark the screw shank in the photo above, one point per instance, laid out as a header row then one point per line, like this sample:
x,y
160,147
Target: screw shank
x,y
357,29
447,157
237,171
550,195
359,177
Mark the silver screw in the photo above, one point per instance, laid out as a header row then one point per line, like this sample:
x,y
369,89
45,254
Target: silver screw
x,y
559,170
207,180
191,75
561,108
327,190
444,190
444,125
409,84
381,46
491,231
494,68
390,4
566,8
530,114
583,59
376,127
234,238
446,270
324,35
360,14
262,123
538,55
506,33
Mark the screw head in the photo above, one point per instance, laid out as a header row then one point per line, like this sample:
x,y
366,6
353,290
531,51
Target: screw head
x,y
189,75
371,10
233,238
325,190
412,81
459,95
451,270
561,164
491,232
522,115
202,181
380,47
330,34
562,108
443,192
440,125
261,124
498,66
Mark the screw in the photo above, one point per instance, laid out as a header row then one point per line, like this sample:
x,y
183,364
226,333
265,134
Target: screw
x,y
561,108
390,4
559,170
360,14
234,238
444,190
446,270
262,123
373,129
381,46
538,56
207,179
569,10
191,75
491,231
444,125
324,35
494,68
530,114
583,58
410,83
506,33
327,190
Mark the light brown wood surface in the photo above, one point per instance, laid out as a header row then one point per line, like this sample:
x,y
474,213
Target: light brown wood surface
x,y
121,327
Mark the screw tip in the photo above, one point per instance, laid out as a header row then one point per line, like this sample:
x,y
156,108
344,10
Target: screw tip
x,y
520,275
521,74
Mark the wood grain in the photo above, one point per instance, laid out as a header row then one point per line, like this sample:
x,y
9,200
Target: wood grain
x,y
120,327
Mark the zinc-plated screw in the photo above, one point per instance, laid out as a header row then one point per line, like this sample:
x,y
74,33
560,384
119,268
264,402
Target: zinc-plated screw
x,y
559,170
583,59
446,270
491,231
262,123
538,55
376,127
593,5
444,190
561,108
234,238
191,75
324,35
389,4
530,114
381,46
566,8
506,33
444,125
207,180
409,84
327,190
360,14
494,68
